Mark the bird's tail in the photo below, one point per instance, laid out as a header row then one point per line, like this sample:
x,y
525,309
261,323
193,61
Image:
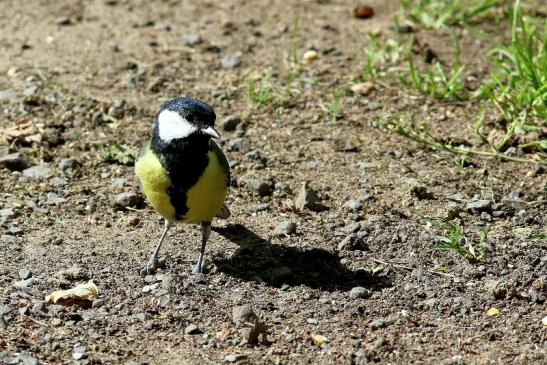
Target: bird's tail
x,y
224,212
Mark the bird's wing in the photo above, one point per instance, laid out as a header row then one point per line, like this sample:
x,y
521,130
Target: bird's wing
x,y
222,160
224,212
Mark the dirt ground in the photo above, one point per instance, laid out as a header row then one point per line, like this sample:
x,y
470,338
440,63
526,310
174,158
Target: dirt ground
x,y
351,285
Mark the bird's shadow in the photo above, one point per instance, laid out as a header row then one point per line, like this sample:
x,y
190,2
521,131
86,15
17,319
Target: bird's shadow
x,y
257,259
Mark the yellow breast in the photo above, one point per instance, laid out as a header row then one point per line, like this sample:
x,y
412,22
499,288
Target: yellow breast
x,y
203,200
155,182
206,197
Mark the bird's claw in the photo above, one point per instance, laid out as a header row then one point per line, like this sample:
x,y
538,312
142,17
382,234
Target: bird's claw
x,y
152,265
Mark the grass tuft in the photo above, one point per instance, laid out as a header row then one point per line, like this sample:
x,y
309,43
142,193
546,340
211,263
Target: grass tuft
x,y
446,13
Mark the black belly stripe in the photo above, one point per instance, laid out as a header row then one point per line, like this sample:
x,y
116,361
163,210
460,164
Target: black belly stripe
x,y
185,160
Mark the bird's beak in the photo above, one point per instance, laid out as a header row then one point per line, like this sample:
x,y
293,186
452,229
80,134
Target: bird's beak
x,y
211,131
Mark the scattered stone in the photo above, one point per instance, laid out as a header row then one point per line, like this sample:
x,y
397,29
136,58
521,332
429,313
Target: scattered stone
x,y
456,197
307,198
243,314
234,357
230,61
150,279
310,56
373,105
351,228
26,359
58,181
522,215
359,292
67,164
363,11
14,161
192,329
281,187
377,324
259,207
353,205
192,39
285,228
421,192
63,20
361,357
54,199
22,284
312,321
486,217
515,195
6,215
128,199
24,274
8,239
498,213
78,352
481,205
353,242
362,88
259,187
38,172
142,317
230,123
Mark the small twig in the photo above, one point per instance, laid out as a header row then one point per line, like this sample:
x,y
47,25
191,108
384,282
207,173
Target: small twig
x,y
411,268
35,321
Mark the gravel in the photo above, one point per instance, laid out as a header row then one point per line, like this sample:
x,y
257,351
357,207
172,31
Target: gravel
x,y
259,187
192,39
285,228
243,314
15,161
480,205
38,173
230,61
128,199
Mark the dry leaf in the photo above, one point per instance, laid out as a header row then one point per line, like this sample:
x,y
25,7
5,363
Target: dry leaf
x,y
544,321
493,312
81,295
223,334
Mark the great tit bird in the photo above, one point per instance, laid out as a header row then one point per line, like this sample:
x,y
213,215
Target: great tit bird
x,y
183,172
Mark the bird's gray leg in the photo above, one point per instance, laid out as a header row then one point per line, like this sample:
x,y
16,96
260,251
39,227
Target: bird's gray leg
x,y
153,263
205,231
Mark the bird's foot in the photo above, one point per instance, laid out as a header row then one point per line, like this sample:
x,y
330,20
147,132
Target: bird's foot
x,y
197,268
152,265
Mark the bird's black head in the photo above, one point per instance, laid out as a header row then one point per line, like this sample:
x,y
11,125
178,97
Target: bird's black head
x,y
184,117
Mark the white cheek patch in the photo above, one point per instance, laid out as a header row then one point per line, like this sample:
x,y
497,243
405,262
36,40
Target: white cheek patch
x,y
173,126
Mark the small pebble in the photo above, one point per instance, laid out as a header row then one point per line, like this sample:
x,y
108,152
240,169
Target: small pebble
x,y
24,274
230,61
285,228
192,39
259,187
479,205
234,357
67,164
192,329
128,199
243,314
359,292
